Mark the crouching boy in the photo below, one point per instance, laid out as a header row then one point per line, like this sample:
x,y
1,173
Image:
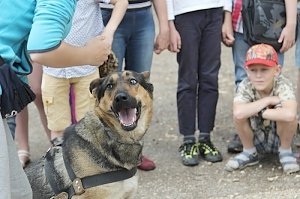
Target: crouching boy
x,y
264,111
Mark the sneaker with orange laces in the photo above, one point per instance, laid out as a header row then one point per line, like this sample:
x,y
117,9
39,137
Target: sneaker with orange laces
x,y
146,164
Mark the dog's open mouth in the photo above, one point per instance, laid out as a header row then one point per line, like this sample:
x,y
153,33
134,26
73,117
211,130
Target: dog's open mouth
x,y
128,117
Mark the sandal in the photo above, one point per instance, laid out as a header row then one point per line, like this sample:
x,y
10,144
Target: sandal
x,y
24,157
289,162
241,161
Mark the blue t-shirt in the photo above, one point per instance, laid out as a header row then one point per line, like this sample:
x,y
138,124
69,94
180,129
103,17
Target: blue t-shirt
x,y
32,26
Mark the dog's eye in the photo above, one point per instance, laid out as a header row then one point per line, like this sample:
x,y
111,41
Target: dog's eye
x,y
133,81
109,86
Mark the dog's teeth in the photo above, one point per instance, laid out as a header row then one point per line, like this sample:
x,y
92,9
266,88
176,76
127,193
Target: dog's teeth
x,y
128,124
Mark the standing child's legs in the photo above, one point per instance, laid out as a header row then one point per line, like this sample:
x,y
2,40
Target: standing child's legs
x,y
139,51
187,84
22,131
55,93
209,62
22,136
35,82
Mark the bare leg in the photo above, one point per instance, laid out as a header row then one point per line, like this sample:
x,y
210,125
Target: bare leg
x,y
286,132
55,134
245,133
35,81
297,137
249,156
22,136
22,129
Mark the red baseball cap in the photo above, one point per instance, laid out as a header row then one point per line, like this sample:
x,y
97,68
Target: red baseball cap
x,y
261,54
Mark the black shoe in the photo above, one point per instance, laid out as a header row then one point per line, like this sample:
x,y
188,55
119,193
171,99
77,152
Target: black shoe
x,y
189,154
235,145
209,152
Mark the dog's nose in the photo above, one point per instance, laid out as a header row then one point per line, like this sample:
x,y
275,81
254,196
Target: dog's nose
x,y
121,97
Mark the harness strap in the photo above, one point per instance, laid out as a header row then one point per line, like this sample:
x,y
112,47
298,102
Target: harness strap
x,y
48,173
79,185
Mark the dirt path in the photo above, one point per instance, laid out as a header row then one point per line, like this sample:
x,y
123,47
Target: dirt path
x,y
173,180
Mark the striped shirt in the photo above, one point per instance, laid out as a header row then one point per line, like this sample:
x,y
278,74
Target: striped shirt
x,y
87,23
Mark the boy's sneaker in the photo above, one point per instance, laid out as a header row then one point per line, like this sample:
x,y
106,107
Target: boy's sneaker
x,y
189,154
209,152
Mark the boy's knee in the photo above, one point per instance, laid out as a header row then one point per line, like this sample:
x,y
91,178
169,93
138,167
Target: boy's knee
x,y
239,120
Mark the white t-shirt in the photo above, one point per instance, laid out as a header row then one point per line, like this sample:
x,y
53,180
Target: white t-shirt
x,y
176,7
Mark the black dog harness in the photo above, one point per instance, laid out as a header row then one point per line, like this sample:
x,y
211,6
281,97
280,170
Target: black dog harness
x,y
80,184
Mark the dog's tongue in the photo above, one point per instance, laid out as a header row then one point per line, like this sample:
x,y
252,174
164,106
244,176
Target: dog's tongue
x,y
127,116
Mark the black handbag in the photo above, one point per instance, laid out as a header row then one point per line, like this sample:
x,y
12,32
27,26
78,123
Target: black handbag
x,y
16,94
263,21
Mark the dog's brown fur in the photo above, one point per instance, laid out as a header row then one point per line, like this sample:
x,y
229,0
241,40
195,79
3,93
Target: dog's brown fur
x,y
105,140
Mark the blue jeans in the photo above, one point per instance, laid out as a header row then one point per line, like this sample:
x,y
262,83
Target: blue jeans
x,y
239,50
133,39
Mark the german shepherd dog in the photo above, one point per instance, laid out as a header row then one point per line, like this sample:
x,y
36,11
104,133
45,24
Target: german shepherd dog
x,y
102,148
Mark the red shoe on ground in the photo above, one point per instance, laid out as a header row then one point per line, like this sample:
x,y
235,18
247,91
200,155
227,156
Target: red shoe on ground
x,y
146,164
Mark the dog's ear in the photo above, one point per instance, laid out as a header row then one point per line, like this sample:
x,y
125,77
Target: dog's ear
x,y
145,83
95,84
146,75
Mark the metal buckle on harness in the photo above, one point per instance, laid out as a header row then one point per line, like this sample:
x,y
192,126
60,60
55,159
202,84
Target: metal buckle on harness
x,y
62,195
78,187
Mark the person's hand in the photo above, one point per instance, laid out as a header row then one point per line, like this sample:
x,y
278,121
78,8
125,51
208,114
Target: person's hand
x,y
98,50
227,30
175,39
273,101
287,38
227,35
108,36
161,42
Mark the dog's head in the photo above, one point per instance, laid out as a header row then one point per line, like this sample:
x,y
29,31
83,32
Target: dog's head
x,y
124,101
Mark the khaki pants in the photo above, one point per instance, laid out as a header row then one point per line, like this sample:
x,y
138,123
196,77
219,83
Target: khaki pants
x,y
56,95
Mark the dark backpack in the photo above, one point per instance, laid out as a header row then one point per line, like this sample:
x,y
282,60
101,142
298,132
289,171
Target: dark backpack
x,y
263,21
